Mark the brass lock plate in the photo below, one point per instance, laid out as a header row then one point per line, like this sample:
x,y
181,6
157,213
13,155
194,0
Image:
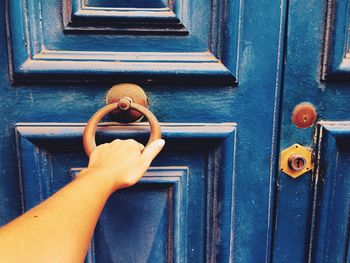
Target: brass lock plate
x,y
296,160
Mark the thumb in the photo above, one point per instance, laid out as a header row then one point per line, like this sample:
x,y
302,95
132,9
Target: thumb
x,y
151,151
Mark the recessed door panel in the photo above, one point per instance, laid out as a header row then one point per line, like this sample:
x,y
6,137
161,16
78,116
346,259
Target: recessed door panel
x,y
128,3
148,41
150,218
179,212
329,232
336,54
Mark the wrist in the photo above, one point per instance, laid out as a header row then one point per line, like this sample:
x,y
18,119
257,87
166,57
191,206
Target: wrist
x,y
99,180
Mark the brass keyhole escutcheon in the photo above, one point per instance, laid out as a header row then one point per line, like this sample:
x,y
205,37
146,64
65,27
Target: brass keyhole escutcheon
x,y
296,160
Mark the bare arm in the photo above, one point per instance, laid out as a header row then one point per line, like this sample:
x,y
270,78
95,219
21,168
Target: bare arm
x,y
60,228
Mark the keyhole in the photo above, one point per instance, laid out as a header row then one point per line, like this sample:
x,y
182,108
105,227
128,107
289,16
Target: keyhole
x,y
305,118
300,163
296,162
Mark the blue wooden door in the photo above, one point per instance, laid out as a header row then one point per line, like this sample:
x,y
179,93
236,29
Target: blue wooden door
x,y
222,77
312,212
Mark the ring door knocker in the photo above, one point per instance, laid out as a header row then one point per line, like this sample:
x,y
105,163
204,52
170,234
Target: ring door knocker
x,y
124,104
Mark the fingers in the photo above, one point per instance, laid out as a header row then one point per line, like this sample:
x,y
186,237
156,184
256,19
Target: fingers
x,y
96,152
129,142
151,151
104,153
141,147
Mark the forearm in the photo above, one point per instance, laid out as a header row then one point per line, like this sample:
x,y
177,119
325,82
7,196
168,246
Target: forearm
x,y
60,228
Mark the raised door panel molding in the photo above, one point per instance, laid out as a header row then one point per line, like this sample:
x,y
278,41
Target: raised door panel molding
x,y
184,203
87,41
329,236
336,52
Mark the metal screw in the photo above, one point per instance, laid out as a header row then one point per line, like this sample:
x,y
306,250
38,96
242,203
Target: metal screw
x,y
125,103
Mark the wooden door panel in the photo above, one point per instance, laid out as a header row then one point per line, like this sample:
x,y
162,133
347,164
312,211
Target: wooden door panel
x,y
329,231
336,50
128,3
150,218
91,42
181,211
125,17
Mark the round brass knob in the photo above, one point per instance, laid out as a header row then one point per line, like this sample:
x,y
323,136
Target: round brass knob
x,y
132,91
123,104
304,115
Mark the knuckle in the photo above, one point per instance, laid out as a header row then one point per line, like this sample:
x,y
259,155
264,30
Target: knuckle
x,y
116,141
141,146
101,146
130,141
129,182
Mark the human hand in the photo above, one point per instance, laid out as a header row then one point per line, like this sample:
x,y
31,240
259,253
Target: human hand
x,y
123,162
